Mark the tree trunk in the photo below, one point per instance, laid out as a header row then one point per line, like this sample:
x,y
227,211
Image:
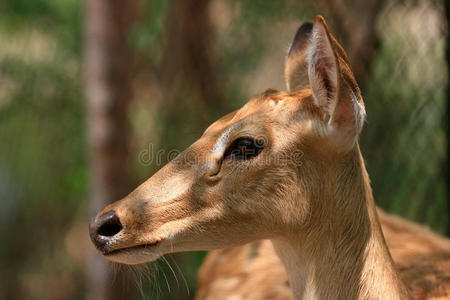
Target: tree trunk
x,y
107,89
447,14
188,52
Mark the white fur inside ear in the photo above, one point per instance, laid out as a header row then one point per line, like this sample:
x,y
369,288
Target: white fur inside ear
x,y
347,120
360,112
322,69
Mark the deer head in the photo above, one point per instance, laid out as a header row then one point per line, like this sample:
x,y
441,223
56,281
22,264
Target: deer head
x,y
264,171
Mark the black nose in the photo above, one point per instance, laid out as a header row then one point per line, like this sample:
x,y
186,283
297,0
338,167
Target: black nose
x,y
103,228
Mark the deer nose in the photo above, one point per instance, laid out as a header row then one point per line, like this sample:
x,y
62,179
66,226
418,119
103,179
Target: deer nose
x,y
103,228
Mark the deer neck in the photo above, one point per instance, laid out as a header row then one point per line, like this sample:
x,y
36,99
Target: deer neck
x,y
342,254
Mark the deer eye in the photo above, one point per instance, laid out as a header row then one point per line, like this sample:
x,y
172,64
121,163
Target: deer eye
x,y
244,148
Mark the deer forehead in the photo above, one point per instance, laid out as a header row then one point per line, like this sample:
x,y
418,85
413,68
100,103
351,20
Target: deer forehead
x,y
278,111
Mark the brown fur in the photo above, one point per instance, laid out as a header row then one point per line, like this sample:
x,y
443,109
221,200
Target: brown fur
x,y
421,257
307,191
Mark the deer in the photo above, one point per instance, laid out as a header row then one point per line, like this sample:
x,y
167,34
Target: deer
x,y
281,181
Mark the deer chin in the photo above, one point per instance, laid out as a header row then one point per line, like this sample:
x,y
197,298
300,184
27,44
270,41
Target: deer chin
x,y
134,255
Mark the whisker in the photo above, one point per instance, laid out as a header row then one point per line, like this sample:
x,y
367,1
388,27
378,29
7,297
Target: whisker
x,y
158,287
115,269
137,279
173,272
151,277
167,282
182,275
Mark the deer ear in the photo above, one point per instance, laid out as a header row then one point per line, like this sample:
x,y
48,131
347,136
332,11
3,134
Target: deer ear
x,y
295,68
323,68
333,86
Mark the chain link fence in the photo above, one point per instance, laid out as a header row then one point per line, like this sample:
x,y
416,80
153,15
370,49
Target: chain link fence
x,y
43,165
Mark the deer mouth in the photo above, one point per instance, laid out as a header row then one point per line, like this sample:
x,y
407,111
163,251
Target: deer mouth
x,y
134,254
132,248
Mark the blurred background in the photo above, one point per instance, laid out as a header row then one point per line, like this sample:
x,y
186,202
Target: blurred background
x,y
90,91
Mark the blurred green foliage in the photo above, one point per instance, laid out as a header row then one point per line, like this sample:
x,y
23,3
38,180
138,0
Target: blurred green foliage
x,y
404,142
42,146
43,165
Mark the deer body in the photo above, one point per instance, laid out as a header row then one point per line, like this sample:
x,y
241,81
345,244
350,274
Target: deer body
x,y
285,167
254,271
